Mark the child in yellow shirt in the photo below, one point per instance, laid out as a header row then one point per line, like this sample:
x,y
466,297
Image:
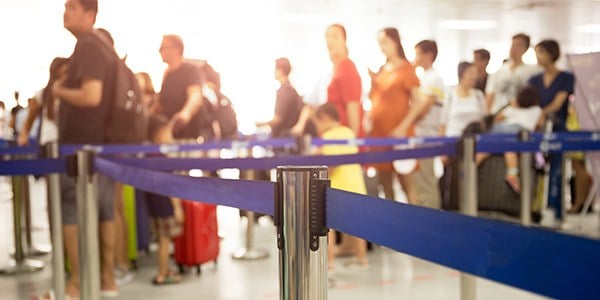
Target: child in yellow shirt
x,y
346,177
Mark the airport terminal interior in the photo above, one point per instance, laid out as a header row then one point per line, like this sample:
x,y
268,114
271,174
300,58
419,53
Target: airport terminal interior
x,y
241,40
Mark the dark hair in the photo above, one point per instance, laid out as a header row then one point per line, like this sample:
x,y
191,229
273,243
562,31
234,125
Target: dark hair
x,y
283,64
89,5
394,35
483,53
148,86
47,100
328,109
462,68
528,97
428,46
105,34
523,37
551,47
176,40
341,28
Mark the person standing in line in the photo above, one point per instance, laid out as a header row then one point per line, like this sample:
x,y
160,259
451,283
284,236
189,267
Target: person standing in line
x,y
392,87
481,59
288,104
431,93
345,88
555,87
503,86
85,94
180,96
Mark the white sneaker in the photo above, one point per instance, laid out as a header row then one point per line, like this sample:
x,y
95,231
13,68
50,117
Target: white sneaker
x,y
123,277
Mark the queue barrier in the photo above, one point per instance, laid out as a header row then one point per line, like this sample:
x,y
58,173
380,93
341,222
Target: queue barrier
x,y
541,261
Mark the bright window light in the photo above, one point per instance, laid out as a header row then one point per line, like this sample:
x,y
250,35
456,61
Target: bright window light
x,y
588,28
467,24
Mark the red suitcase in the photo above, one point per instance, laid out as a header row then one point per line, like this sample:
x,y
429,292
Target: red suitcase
x,y
199,242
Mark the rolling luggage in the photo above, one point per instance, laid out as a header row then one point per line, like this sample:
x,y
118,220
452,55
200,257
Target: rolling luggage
x,y
199,242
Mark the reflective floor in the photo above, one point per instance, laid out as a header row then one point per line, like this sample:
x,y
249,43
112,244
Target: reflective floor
x,y
391,275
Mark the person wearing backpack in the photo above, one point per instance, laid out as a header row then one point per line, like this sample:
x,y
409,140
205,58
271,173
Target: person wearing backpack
x,y
180,96
85,94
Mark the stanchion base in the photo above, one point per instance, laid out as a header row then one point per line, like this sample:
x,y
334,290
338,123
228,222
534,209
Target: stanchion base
x,y
39,250
250,254
27,266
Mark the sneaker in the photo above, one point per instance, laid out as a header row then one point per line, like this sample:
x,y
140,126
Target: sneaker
x,y
123,277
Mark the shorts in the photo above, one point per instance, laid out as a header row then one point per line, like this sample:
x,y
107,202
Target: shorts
x,y
68,194
426,184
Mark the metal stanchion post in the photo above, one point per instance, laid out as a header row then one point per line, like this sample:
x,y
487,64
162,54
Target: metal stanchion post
x,y
468,205
526,180
301,232
87,221
249,252
58,260
29,248
19,264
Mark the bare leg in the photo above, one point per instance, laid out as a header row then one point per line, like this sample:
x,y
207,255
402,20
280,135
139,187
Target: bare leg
x,y
331,248
163,257
582,185
107,246
71,240
360,246
385,180
407,185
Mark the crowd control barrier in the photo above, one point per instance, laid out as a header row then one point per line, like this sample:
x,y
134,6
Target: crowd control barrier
x,y
304,207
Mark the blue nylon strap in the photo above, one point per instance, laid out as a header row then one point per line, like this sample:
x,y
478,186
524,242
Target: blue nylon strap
x,y
544,262
154,149
379,142
32,167
174,164
29,150
255,196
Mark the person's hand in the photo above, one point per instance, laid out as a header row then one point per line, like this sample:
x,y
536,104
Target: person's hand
x,y
180,120
23,139
59,83
400,132
541,123
297,130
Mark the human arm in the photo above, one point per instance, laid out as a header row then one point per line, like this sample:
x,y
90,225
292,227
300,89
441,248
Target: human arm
x,y
418,108
88,95
178,212
32,113
191,107
305,114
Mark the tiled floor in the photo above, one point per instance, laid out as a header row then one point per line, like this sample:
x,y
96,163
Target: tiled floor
x,y
391,275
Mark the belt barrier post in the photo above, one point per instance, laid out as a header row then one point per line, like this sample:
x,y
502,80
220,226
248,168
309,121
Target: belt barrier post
x,y
19,264
87,221
526,180
249,252
58,260
301,232
30,249
468,204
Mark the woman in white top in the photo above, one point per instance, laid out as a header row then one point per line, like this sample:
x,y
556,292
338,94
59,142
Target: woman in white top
x,y
465,104
44,101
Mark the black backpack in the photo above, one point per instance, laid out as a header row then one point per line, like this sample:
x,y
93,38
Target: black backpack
x,y
127,119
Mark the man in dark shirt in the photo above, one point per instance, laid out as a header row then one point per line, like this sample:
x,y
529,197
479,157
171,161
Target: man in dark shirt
x,y
181,93
288,104
85,95
481,59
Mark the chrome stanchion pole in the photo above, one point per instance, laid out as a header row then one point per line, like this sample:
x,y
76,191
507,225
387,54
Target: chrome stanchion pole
x,y
301,232
248,252
526,180
87,221
30,249
58,260
19,264
468,205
